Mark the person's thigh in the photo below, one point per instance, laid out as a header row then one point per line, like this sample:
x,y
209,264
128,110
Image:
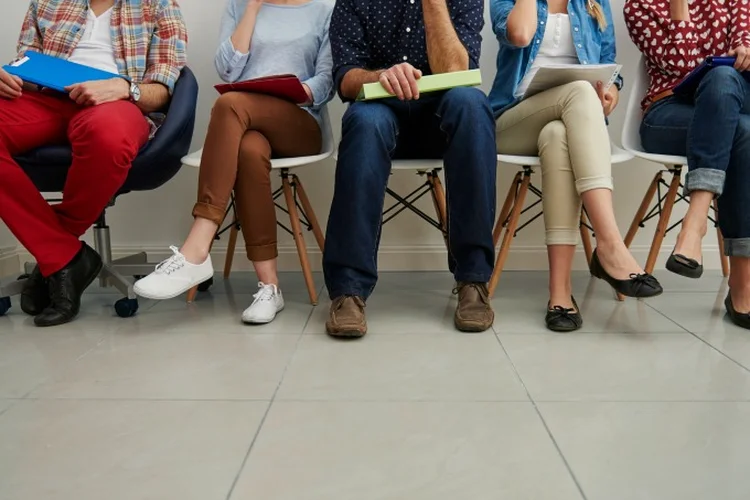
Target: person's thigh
x,y
31,121
518,128
664,129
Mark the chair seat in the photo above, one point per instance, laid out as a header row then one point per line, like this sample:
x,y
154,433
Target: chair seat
x,y
663,159
618,156
194,160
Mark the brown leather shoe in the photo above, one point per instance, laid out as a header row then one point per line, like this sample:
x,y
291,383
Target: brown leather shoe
x,y
474,312
346,319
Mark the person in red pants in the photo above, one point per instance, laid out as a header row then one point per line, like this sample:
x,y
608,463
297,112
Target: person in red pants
x,y
142,43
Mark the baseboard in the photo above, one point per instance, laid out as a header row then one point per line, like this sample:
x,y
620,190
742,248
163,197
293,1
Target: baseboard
x,y
390,258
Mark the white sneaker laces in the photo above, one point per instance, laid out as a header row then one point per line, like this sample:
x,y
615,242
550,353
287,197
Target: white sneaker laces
x,y
266,293
172,264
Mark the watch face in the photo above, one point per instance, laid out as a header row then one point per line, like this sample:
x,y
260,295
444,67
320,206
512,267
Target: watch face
x,y
135,92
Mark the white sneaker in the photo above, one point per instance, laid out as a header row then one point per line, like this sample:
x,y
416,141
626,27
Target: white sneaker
x,y
268,301
173,277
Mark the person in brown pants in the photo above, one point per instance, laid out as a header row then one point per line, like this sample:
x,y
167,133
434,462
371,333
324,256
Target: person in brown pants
x,y
245,132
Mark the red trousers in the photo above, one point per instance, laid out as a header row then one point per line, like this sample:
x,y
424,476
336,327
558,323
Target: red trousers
x,y
104,139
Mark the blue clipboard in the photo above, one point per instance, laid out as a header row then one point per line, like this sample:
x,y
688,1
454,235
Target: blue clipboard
x,y
54,73
689,84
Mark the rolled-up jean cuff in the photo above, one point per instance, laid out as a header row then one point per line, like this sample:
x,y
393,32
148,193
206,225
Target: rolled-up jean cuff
x,y
590,183
737,247
261,253
705,179
209,212
561,236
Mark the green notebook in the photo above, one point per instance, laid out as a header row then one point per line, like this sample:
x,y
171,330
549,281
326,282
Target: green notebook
x,y
429,83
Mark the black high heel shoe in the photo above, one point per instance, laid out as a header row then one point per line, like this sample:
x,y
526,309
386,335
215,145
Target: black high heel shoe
x,y
640,286
684,266
740,319
563,319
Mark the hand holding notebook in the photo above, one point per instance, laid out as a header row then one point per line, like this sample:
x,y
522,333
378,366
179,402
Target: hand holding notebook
x,y
554,75
425,84
54,73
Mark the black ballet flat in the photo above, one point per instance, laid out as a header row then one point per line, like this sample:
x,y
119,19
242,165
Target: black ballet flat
x,y
684,266
640,286
740,319
562,319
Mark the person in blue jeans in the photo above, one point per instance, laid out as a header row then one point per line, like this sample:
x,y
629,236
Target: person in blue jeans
x,y
710,126
395,43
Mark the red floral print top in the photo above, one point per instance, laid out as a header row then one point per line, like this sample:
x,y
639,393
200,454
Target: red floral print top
x,y
674,48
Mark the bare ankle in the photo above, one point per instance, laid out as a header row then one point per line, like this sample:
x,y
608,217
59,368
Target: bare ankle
x,y
194,255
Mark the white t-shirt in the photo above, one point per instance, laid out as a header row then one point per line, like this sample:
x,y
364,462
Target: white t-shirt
x,y
95,48
557,47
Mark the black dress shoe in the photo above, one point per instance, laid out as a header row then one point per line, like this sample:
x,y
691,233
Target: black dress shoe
x,y
639,285
35,294
563,319
740,319
67,285
684,266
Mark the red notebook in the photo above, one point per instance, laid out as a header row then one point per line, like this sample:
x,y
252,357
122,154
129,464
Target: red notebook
x,y
283,86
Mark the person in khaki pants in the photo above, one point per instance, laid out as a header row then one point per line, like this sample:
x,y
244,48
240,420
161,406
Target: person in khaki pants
x,y
566,127
258,38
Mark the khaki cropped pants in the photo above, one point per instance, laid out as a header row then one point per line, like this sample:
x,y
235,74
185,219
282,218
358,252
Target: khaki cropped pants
x,y
565,127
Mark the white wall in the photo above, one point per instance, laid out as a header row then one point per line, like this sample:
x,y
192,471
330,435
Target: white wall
x,y
155,220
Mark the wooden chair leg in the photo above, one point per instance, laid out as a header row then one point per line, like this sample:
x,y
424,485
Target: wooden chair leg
x,y
666,214
510,230
299,238
307,207
641,213
507,205
438,199
231,247
724,258
586,238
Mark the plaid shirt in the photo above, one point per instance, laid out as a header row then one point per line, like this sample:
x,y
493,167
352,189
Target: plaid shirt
x,y
149,36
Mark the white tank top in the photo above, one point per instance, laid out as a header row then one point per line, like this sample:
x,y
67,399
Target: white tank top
x,y
95,48
557,47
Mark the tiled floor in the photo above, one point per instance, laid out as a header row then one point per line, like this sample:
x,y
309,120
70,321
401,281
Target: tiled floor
x,y
650,401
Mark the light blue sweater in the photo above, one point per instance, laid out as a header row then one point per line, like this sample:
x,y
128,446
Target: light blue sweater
x,y
288,39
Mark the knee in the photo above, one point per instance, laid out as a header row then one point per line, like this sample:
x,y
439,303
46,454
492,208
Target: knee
x,y
583,97
370,121
226,104
469,101
721,81
114,149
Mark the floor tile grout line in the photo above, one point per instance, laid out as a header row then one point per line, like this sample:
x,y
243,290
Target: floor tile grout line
x,y
543,421
702,340
270,405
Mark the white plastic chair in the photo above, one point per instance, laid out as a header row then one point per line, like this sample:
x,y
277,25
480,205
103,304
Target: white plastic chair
x,y
513,208
631,141
297,206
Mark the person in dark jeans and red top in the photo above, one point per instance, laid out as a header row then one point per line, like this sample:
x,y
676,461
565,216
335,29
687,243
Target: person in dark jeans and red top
x,y
142,43
395,43
711,127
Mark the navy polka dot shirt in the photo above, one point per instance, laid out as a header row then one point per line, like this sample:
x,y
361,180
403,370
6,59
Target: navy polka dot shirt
x,y
376,34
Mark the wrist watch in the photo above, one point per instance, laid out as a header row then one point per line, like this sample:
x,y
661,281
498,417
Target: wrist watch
x,y
135,92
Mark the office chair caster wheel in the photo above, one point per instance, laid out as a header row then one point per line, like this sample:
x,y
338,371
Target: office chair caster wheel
x,y
4,305
203,287
138,277
23,277
126,308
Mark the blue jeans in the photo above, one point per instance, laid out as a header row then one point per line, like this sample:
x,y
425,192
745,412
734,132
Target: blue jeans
x,y
456,126
712,129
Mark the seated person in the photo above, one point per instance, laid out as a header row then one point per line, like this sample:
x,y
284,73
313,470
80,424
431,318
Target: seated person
x,y
566,127
710,127
258,38
394,43
104,123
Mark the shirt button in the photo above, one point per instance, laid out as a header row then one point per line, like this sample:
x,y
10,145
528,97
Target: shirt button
x,y
537,40
406,58
576,28
411,1
408,30
579,45
541,22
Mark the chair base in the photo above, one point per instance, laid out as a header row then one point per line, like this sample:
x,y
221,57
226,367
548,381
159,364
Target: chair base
x,y
116,273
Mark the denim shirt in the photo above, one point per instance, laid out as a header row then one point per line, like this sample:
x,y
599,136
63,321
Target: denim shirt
x,y
592,45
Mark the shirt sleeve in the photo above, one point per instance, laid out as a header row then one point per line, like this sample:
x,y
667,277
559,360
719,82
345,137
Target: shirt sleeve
x,y
347,39
609,49
670,45
229,62
321,84
739,31
30,39
499,12
167,54
468,20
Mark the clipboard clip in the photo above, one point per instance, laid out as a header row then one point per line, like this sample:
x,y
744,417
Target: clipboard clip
x,y
20,61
